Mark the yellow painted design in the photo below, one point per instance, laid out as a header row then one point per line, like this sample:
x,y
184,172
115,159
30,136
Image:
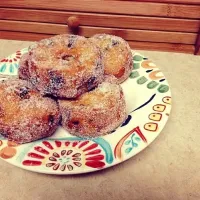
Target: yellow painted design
x,y
155,116
167,100
151,126
159,107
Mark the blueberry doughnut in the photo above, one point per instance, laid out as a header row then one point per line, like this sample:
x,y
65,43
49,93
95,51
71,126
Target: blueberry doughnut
x,y
116,54
25,115
23,71
65,66
95,113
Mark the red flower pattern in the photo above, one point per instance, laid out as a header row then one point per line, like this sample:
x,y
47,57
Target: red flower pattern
x,y
14,59
66,155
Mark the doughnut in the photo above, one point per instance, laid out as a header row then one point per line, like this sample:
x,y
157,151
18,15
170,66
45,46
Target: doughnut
x,y
23,70
94,113
116,55
110,79
65,66
25,115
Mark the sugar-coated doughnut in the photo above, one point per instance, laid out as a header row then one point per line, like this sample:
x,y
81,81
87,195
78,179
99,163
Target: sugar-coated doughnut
x,y
95,113
25,115
23,70
116,55
65,66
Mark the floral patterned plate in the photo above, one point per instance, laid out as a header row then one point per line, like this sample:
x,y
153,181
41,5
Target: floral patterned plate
x,y
148,100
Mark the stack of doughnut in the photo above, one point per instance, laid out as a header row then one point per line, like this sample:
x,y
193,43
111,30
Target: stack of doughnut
x,y
66,79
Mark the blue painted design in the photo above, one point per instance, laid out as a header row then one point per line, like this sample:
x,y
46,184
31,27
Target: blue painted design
x,y
152,97
3,68
128,119
137,138
106,147
16,65
132,142
162,80
127,142
11,68
150,70
26,148
135,144
128,150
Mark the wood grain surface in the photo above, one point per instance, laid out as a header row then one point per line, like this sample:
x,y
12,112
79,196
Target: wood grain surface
x,y
127,34
104,20
190,2
120,7
183,48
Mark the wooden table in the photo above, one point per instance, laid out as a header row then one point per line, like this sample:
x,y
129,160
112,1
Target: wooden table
x,y
168,169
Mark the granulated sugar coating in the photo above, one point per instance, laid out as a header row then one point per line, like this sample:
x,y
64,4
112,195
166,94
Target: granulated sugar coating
x,y
110,79
65,66
25,115
95,113
116,55
23,70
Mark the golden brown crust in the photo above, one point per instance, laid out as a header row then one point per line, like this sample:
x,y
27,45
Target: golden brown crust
x,y
25,115
85,117
65,66
23,70
116,55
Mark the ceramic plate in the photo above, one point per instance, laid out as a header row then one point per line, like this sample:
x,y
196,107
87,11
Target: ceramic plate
x,y
148,99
